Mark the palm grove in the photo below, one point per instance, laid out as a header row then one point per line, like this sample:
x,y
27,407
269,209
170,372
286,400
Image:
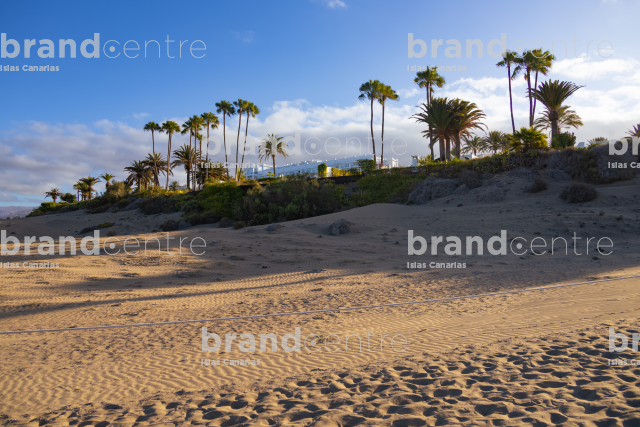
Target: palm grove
x,y
450,123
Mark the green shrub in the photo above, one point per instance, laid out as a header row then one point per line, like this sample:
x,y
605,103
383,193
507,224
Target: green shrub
x,y
170,225
199,218
537,186
563,140
578,192
106,225
68,198
322,170
239,224
220,198
158,205
366,165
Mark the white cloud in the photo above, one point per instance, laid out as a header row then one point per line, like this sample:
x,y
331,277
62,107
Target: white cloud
x,y
333,4
140,115
583,68
410,93
245,36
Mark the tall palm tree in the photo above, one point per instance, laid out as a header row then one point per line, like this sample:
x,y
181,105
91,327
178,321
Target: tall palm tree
x,y
272,147
90,181
54,193
467,116
197,122
153,127
370,90
473,145
140,172
495,141
169,127
252,110
210,121
542,65
527,63
566,119
552,94
185,156
107,178
438,116
427,79
226,108
240,105
527,139
634,131
509,59
386,92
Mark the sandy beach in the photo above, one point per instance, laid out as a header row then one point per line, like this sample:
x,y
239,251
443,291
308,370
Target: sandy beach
x,y
527,358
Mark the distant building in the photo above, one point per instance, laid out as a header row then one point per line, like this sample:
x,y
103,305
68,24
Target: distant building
x,y
311,166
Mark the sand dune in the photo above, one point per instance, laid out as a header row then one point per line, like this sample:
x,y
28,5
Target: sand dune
x,y
534,358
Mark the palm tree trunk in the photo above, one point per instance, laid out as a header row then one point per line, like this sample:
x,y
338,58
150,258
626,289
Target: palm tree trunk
x,y
456,139
155,164
382,140
238,143
448,147
207,158
513,124
246,130
535,100
224,138
431,144
530,99
442,147
372,140
168,163
274,165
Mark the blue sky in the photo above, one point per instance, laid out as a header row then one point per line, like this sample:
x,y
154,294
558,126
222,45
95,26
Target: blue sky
x,y
300,61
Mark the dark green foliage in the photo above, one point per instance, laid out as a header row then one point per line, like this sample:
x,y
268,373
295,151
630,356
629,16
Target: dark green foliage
x,y
220,198
170,225
123,203
106,225
239,224
563,140
198,218
386,188
68,198
537,186
578,192
293,197
322,170
158,205
366,165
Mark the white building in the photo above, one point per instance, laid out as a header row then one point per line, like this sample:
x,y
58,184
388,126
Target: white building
x,y
311,166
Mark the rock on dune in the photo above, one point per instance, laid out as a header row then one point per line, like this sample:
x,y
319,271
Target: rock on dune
x,y
342,226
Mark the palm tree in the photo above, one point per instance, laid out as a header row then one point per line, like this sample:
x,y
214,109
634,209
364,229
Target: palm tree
x,y
271,147
153,127
386,92
527,62
438,116
542,65
82,188
566,119
107,179
427,79
509,58
185,156
634,131
467,116
174,185
169,127
370,90
527,139
495,141
140,172
156,162
90,181
226,108
552,94
197,123
210,121
240,105
54,193
252,110
473,145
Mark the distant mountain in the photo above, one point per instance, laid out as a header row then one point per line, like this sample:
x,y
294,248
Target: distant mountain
x,y
14,211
